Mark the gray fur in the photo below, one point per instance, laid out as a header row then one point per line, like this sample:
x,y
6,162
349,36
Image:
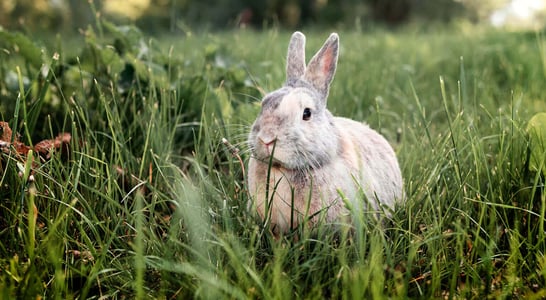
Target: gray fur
x,y
295,60
271,101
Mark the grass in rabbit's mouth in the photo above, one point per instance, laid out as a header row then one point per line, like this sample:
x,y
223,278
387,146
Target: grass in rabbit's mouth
x,y
145,202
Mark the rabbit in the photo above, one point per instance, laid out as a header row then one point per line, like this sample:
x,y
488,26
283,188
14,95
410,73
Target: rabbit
x,y
307,165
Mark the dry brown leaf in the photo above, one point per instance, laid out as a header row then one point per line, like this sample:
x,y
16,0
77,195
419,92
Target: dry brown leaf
x,y
5,132
61,142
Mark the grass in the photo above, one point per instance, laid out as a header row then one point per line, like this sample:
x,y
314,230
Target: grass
x,y
150,204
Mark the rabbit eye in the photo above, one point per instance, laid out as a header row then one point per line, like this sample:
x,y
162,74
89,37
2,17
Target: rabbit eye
x,y
306,114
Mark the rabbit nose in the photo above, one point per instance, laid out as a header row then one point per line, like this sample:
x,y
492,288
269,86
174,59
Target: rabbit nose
x,y
268,143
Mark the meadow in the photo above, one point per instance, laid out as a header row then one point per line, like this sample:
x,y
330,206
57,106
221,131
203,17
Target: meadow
x,y
145,201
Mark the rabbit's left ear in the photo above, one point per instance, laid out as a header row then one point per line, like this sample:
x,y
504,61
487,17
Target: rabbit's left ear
x,y
322,67
295,60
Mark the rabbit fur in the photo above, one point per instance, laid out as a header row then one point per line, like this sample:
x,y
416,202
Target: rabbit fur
x,y
307,165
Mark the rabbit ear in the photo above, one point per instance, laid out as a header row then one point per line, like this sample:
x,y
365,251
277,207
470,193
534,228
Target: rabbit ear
x,y
322,67
295,61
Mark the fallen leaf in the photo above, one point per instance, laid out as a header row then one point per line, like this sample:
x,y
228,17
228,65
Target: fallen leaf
x,y
61,142
5,132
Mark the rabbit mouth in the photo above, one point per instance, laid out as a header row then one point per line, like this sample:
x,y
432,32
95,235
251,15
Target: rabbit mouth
x,y
274,155
276,164
271,159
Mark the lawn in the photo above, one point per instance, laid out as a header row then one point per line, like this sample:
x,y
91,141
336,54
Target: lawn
x,y
143,200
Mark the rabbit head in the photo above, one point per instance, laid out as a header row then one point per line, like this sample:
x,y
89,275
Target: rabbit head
x,y
294,128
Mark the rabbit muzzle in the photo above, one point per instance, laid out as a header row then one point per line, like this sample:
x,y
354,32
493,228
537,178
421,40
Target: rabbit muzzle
x,y
268,144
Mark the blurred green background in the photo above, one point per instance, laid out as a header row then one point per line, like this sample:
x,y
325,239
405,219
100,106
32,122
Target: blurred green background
x,y
176,15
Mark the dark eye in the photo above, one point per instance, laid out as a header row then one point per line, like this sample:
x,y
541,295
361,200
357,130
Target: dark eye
x,y
306,114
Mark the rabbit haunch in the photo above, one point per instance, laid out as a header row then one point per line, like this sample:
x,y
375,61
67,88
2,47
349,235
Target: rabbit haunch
x,y
303,158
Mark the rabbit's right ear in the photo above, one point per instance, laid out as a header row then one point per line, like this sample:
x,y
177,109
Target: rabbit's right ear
x,y
322,67
295,60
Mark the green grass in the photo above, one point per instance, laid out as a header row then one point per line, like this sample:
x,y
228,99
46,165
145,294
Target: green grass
x,y
174,225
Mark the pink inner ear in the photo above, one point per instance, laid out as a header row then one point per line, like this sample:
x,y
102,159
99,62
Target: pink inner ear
x,y
327,61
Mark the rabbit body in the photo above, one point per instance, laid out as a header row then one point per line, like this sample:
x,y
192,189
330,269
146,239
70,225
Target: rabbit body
x,y
307,165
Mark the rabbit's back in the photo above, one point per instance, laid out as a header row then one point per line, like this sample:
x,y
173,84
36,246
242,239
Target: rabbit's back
x,y
374,163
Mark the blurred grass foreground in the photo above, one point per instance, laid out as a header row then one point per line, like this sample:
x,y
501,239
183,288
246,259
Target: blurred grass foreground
x,y
115,183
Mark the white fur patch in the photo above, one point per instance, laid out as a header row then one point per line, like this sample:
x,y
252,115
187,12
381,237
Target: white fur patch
x,y
295,102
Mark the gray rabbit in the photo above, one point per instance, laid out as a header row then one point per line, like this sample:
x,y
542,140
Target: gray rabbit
x,y
307,165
